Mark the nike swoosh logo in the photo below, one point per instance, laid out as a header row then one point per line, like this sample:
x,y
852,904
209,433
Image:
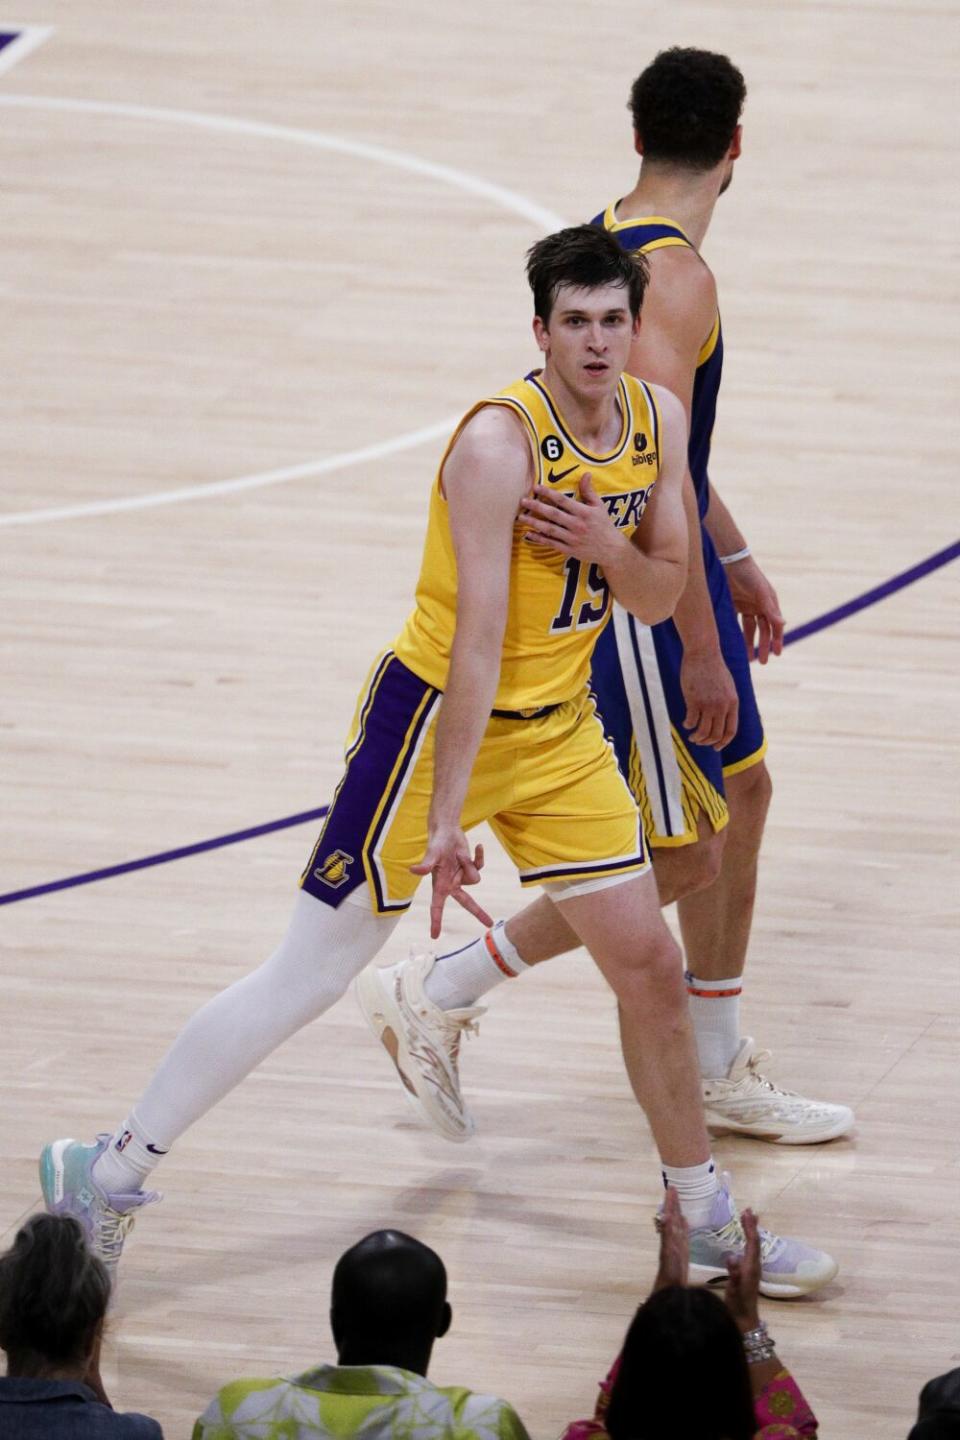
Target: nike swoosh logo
x,y
154,1151
553,476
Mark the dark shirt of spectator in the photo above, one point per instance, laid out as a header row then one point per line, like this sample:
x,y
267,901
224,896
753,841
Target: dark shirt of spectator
x,y
676,1334
939,1415
53,1300
49,1409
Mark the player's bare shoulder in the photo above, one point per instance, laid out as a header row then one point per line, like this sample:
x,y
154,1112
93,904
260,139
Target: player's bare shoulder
x,y
682,289
492,448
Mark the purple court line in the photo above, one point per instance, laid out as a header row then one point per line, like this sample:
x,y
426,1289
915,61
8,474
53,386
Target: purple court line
x,y
799,632
217,843
870,597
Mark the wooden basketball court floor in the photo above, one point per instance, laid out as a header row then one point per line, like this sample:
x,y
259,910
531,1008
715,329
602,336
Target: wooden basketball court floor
x,y
249,242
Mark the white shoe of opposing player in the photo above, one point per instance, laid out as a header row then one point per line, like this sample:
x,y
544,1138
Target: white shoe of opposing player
x,y
422,1040
747,1103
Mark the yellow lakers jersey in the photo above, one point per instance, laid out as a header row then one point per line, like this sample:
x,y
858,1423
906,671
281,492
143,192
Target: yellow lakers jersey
x,y
558,605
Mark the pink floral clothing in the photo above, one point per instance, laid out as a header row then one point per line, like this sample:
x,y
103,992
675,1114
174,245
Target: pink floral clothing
x,y
781,1411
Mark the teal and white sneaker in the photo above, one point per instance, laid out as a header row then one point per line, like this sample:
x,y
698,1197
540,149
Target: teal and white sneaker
x,y
66,1178
788,1268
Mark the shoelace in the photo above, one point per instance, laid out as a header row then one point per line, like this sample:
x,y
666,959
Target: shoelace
x,y
111,1230
770,1245
453,1033
760,1057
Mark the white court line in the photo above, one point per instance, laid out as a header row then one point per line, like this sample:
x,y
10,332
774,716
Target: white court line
x,y
318,140
28,38
240,482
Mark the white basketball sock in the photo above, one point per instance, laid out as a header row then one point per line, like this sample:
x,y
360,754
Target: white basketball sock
x,y
696,1186
459,978
128,1159
322,951
715,1013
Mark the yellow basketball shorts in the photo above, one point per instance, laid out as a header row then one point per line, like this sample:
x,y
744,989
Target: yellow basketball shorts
x,y
549,787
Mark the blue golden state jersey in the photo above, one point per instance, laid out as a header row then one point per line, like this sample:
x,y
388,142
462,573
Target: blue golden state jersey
x,y
557,605
645,235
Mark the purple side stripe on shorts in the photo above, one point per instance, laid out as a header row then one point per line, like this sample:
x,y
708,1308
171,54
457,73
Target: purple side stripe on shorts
x,y
396,700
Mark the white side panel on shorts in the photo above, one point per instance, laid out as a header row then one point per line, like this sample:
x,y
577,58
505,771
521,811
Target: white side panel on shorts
x,y
654,741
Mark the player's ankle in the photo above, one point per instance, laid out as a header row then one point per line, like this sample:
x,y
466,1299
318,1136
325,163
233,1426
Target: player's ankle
x,y
461,977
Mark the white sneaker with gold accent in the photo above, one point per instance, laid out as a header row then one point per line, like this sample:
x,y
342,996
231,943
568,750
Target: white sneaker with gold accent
x,y
746,1102
422,1040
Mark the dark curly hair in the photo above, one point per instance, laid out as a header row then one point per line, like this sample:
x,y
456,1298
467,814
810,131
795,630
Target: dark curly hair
x,y
682,1342
584,257
686,106
53,1293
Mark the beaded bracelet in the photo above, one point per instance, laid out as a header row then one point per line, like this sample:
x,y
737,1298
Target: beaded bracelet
x,y
759,1344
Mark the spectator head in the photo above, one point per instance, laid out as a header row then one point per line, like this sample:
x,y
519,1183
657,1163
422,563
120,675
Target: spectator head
x,y
938,1416
389,1302
676,1335
53,1298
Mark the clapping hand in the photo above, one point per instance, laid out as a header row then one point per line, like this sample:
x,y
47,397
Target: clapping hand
x,y
674,1244
743,1282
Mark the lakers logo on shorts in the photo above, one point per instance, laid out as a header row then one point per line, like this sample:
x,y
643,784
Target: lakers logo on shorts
x,y
333,871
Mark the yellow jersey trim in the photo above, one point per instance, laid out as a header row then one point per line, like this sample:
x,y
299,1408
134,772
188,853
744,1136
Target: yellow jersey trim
x,y
666,242
506,402
610,222
747,762
710,344
654,405
626,423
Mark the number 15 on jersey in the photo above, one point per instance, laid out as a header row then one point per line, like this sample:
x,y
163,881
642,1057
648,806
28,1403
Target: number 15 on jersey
x,y
586,597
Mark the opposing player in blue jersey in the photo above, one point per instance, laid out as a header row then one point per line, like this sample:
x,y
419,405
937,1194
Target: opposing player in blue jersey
x,y
677,699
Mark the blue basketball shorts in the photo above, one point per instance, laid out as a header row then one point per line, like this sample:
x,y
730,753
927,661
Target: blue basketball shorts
x,y
636,680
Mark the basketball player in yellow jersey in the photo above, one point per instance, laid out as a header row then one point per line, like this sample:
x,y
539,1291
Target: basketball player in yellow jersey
x,y
678,699
482,712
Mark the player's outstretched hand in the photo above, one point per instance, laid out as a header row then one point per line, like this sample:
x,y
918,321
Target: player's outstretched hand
x,y
743,1283
710,696
449,862
674,1244
581,527
757,604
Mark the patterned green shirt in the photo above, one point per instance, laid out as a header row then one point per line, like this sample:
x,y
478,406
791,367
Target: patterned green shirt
x,y
375,1402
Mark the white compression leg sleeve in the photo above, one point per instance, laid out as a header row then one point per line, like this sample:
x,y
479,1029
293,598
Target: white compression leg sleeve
x,y
320,954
